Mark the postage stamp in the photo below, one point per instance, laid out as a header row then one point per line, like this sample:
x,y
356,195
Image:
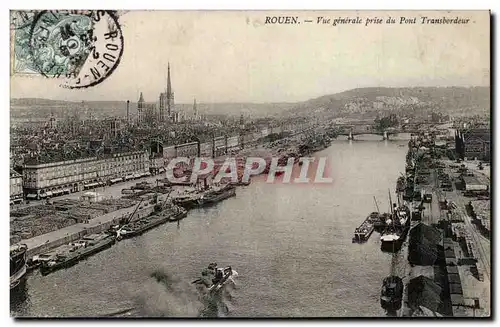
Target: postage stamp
x,y
80,47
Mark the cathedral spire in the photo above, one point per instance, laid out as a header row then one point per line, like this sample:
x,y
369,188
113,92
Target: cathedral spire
x,y
170,96
141,98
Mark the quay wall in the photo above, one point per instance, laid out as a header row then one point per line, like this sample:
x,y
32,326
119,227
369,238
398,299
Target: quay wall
x,y
49,241
231,141
45,247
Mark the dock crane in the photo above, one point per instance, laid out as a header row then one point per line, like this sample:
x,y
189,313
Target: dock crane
x,y
161,206
124,222
376,204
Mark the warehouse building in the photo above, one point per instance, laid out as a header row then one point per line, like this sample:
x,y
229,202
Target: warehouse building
x,y
45,180
16,187
471,183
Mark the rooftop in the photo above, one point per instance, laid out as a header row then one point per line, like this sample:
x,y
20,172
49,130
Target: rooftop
x,y
14,174
483,134
472,180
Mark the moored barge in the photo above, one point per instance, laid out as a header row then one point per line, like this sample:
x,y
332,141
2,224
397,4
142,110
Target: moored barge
x,y
142,225
391,294
364,231
77,251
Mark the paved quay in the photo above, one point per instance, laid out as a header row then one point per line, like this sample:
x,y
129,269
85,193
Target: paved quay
x,y
48,241
112,191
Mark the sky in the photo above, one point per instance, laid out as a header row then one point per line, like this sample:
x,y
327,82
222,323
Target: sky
x,y
234,56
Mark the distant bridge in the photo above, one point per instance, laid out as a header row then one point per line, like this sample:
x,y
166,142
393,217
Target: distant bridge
x,y
362,128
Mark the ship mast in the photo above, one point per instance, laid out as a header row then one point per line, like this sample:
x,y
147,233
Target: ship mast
x,y
394,257
129,219
390,201
376,204
165,201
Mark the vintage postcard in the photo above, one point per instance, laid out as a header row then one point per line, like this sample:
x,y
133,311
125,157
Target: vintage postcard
x,y
250,164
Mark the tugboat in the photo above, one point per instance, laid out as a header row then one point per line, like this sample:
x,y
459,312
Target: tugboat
x,y
217,194
213,278
17,264
396,231
391,294
188,200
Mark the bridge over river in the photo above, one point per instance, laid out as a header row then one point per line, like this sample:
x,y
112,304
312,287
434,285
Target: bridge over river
x,y
362,128
225,144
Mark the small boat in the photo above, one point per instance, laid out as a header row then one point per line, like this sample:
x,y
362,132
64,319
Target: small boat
x,y
213,278
39,259
181,213
391,294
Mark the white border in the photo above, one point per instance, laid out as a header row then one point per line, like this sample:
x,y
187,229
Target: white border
x,y
190,4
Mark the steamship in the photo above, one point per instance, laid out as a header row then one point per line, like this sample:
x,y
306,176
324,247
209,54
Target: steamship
x,y
17,264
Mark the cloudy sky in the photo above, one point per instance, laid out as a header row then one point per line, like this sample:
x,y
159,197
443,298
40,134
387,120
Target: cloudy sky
x,y
235,57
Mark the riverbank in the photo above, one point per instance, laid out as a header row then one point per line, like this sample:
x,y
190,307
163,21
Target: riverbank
x,y
447,260
271,234
48,241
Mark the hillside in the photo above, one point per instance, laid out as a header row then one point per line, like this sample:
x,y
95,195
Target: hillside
x,y
449,100
364,102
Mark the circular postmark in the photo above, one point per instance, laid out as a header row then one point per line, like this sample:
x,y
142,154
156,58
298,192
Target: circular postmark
x,y
81,47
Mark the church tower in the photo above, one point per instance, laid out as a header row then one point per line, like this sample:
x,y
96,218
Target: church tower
x,y
140,108
195,110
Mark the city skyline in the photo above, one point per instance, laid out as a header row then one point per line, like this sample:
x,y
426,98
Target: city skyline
x,y
247,63
186,103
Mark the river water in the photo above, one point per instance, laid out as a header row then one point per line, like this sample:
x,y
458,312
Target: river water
x,y
290,244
